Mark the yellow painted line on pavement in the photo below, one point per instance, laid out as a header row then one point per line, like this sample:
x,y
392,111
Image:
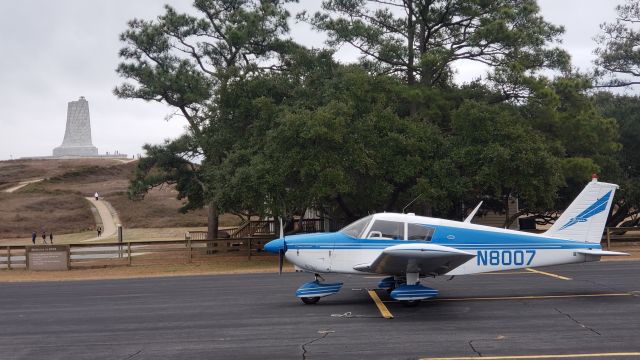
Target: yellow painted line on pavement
x,y
504,273
532,297
382,307
554,356
549,274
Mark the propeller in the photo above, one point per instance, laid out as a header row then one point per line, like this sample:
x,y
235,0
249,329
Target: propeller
x,y
282,250
280,261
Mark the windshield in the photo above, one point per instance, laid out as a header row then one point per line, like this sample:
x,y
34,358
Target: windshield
x,y
356,228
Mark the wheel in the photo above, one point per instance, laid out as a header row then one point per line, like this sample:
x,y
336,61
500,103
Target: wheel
x,y
310,300
410,303
389,290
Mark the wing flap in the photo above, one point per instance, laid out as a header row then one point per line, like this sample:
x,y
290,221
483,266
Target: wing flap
x,y
425,259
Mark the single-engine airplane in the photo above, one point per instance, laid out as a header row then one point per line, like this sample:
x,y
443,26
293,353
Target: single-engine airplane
x,y
408,248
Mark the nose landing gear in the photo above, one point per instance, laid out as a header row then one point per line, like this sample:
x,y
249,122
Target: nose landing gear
x,y
311,292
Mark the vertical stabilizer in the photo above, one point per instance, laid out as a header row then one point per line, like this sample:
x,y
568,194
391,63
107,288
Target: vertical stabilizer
x,y
586,217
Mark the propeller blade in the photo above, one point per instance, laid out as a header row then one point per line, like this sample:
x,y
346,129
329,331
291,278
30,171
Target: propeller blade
x,y
281,229
280,261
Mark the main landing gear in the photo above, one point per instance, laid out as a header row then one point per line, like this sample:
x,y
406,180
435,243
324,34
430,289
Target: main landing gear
x,y
407,290
311,292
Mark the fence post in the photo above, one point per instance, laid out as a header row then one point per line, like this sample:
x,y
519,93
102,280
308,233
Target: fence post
x,y
129,252
249,248
189,249
120,239
9,257
608,239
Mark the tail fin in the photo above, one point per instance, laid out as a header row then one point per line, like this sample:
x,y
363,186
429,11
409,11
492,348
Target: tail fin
x,y
586,217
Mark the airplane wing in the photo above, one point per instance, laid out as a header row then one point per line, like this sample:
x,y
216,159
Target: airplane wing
x,y
425,259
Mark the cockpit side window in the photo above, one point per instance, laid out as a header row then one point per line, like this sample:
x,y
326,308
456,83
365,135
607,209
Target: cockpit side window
x,y
420,232
384,229
356,228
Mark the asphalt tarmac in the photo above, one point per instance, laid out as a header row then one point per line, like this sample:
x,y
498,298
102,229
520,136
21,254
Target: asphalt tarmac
x,y
589,309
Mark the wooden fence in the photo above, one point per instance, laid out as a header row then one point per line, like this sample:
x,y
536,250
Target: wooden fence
x,y
193,250
264,229
143,252
621,234
12,257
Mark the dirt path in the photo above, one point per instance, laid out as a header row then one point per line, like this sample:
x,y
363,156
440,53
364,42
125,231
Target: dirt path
x,y
21,185
108,220
125,161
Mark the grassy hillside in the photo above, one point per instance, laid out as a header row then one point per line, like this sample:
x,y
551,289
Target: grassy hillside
x,y
57,203
22,213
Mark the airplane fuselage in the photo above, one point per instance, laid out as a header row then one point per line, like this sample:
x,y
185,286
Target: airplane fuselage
x,y
494,249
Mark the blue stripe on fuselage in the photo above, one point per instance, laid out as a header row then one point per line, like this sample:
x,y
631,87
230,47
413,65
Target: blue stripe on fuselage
x,y
459,238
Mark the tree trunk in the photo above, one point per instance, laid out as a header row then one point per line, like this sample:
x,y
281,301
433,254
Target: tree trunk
x,y
509,220
428,209
345,209
411,31
212,231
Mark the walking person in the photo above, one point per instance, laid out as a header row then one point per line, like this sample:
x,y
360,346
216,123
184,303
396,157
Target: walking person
x,y
99,231
96,196
44,237
33,237
51,237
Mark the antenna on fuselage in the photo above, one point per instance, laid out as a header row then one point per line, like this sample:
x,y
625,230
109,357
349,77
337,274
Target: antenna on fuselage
x,y
411,202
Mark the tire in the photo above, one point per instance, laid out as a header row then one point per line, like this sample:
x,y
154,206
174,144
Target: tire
x,y
410,303
310,300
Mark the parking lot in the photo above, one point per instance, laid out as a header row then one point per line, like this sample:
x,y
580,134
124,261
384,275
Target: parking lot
x,y
585,310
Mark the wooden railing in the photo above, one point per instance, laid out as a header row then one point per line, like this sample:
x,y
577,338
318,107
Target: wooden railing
x,y
313,225
621,234
253,228
143,252
265,229
12,257
196,235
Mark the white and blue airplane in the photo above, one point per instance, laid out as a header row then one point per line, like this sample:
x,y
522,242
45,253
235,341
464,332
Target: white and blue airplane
x,y
409,248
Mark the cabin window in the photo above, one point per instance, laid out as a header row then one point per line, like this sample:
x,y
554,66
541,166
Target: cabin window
x,y
383,229
419,232
355,229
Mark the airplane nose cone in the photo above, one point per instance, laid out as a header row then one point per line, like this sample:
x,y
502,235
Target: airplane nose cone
x,y
274,246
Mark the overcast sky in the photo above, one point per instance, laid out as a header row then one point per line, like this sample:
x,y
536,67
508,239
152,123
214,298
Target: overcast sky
x,y
53,52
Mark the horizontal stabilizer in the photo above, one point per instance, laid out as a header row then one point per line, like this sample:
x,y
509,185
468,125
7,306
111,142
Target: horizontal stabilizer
x,y
425,259
599,252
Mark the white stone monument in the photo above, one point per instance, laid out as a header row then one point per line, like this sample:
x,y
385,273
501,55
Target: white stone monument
x,y
77,136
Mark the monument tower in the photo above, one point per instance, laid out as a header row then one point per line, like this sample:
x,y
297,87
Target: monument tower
x,y
77,136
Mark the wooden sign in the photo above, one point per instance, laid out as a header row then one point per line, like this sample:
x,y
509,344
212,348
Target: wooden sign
x,y
48,257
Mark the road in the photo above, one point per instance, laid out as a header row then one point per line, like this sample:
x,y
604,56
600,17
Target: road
x,y
590,308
